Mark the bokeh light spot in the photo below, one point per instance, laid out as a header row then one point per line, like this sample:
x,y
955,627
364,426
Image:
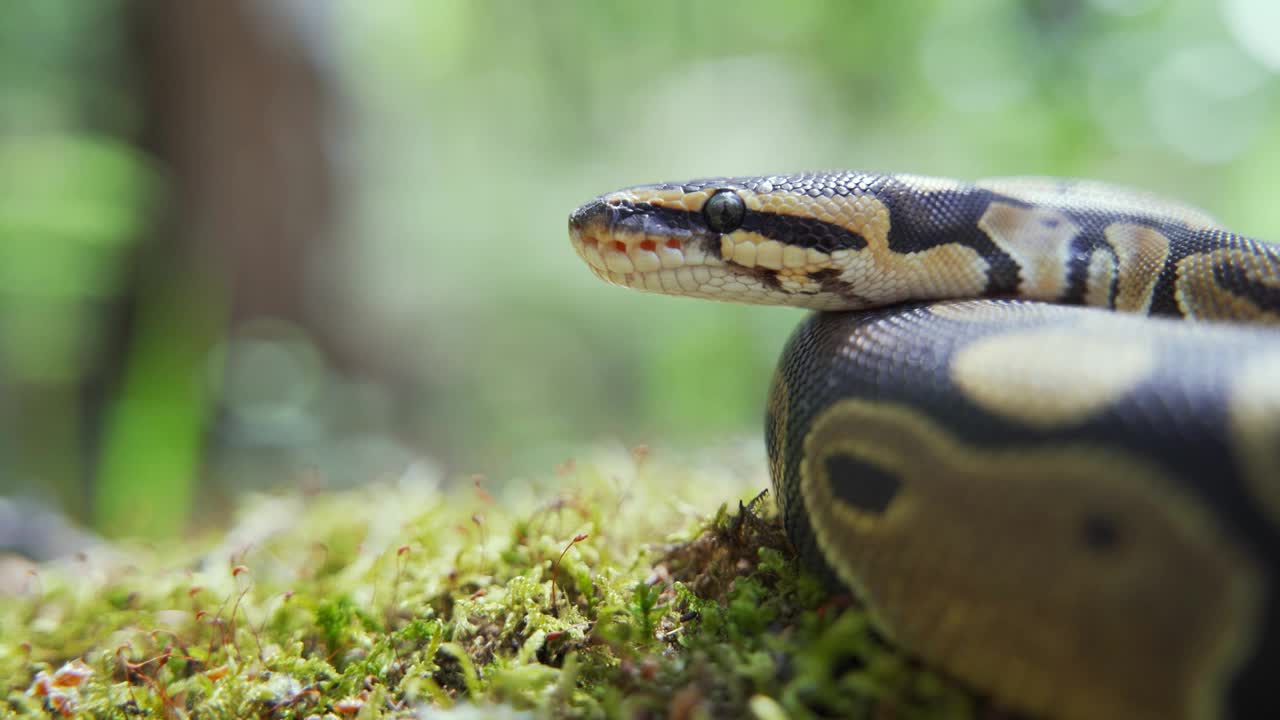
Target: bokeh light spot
x,y
1207,102
1255,25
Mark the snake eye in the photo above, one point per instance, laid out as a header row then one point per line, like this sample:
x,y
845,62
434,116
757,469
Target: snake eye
x,y
724,211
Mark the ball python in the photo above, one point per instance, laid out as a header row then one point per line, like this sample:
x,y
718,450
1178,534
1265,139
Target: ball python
x,y
1034,424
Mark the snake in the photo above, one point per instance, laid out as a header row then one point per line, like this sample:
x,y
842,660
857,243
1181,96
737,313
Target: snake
x,y
1033,424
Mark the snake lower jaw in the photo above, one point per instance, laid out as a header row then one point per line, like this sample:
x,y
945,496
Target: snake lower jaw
x,y
665,266
670,266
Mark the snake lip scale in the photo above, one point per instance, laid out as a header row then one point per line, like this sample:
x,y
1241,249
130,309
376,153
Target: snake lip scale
x,y
1034,425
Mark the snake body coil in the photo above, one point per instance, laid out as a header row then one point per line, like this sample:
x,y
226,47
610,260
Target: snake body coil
x,y
1074,510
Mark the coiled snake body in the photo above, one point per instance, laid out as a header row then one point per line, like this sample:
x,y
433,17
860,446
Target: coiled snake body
x,y
1072,509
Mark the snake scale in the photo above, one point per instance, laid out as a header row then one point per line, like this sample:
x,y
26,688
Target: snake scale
x,y
1034,425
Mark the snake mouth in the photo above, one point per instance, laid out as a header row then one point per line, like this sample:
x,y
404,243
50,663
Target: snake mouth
x,y
638,254
628,247
664,265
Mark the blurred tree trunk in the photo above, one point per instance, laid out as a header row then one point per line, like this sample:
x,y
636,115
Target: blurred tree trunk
x,y
235,97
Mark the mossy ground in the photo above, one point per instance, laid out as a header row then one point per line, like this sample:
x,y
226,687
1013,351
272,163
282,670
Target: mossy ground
x,y
613,587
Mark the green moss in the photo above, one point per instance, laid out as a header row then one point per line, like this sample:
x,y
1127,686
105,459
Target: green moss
x,y
611,590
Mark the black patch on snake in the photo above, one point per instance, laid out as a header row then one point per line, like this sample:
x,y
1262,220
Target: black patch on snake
x,y
766,277
648,218
1082,253
1100,533
805,232
1163,299
1253,687
922,221
1231,276
828,280
861,484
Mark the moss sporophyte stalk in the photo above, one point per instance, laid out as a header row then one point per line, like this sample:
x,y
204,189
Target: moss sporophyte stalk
x,y
613,589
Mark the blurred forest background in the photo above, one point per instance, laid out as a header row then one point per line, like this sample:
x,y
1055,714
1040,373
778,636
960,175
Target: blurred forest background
x,y
265,243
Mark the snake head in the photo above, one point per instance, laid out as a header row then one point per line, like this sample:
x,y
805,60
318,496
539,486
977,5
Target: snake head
x,y
737,239
654,237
